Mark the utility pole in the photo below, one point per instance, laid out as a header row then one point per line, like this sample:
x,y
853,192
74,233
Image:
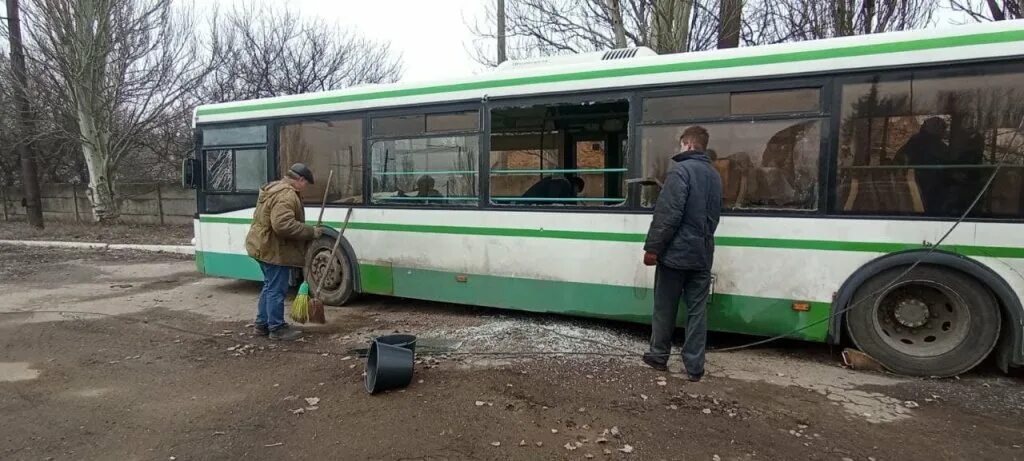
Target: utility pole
x,y
501,31
29,179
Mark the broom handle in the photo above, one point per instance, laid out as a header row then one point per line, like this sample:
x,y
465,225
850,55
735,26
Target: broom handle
x,y
334,251
323,204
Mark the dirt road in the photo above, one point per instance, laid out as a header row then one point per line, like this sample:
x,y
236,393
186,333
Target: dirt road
x,y
171,372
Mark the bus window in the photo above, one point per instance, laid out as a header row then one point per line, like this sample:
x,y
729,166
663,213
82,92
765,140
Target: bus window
x,y
763,164
927,146
564,154
235,159
440,170
326,145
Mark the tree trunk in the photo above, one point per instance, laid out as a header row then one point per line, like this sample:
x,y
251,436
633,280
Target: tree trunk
x,y
96,151
26,152
997,11
730,14
502,51
671,25
615,12
869,9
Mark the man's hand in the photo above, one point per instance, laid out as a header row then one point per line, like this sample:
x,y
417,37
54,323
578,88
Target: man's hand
x,y
317,232
650,259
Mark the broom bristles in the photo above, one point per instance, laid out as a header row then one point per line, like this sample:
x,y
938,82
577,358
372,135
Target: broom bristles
x,y
300,306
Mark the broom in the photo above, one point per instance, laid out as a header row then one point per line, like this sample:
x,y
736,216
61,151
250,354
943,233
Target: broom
x,y
316,305
300,305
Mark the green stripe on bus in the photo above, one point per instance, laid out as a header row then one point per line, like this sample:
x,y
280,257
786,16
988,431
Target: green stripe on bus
x,y
778,58
726,312
724,241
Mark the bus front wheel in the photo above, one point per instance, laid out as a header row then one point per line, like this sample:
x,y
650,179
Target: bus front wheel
x,y
930,322
334,275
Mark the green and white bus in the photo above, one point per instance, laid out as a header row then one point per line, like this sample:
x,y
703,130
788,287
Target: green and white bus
x,y
843,162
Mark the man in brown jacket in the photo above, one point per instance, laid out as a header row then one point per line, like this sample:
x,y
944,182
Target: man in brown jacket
x,y
277,240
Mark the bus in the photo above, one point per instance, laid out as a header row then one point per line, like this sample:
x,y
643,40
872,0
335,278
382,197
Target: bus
x,y
531,187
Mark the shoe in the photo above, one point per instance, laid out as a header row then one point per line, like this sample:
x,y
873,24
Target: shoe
x,y
655,363
694,378
261,330
285,333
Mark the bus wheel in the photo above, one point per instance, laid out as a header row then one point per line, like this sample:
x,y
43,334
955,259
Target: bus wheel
x,y
337,288
931,322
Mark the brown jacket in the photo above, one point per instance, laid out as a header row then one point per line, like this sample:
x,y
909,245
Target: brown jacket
x,y
278,234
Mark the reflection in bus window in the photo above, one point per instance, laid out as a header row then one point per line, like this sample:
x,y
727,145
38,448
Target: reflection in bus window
x,y
763,164
928,146
326,145
425,171
563,154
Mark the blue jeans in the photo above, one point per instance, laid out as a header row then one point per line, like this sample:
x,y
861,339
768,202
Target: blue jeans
x,y
270,313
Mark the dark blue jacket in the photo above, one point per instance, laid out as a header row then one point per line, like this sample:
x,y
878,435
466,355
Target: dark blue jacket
x,y
686,215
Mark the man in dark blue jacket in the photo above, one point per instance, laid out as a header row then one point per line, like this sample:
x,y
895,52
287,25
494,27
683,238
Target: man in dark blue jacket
x,y
681,242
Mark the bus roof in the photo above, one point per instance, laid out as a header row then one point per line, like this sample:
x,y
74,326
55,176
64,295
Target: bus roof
x,y
980,41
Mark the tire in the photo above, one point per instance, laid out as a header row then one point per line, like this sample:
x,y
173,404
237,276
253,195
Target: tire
x,y
931,322
338,290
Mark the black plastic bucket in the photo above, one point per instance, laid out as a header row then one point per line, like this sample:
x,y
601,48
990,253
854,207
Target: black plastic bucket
x,y
388,367
406,341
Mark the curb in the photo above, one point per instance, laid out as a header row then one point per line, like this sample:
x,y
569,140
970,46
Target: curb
x,y
179,249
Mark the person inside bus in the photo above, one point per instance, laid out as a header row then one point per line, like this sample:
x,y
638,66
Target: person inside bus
x,y
967,147
681,243
424,188
926,148
277,240
553,187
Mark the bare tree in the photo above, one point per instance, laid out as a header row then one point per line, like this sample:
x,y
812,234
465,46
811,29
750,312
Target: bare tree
x,y
989,10
119,66
268,50
547,27
777,21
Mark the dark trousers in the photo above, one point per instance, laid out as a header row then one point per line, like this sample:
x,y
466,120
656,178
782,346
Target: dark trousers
x,y
671,285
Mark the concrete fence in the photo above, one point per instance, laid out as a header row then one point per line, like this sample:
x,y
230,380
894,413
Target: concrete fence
x,y
148,203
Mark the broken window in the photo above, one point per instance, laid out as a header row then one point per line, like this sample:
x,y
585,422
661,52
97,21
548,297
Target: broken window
x,y
560,154
236,158
764,163
326,146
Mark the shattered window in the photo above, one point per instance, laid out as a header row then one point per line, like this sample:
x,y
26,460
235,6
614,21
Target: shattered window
x,y
763,164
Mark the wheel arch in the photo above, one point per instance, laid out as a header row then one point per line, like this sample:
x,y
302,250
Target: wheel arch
x,y
353,265
1009,347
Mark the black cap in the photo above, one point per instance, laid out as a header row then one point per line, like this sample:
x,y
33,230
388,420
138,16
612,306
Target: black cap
x,y
302,170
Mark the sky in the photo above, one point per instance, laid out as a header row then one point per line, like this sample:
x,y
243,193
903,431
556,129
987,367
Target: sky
x,y
431,35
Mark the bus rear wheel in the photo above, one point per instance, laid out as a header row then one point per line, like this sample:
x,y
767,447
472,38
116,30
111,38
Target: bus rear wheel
x,y
334,275
930,322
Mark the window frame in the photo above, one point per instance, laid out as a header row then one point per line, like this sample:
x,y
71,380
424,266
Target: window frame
x,y
435,109
967,68
824,114
629,96
269,146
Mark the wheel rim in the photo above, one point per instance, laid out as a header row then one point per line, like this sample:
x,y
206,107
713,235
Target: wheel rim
x,y
322,271
921,318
